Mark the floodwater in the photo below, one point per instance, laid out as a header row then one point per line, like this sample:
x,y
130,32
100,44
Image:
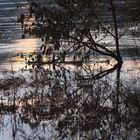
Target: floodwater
x,y
10,30
11,53
65,102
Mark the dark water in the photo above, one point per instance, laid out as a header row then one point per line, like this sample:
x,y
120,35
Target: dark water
x,y
93,101
67,102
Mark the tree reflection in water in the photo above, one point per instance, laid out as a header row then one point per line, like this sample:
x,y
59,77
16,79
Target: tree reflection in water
x,y
60,103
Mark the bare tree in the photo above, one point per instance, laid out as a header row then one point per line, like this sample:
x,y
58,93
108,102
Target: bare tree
x,y
78,27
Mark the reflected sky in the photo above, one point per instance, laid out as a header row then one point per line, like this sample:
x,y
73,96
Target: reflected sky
x,y
11,123
10,59
10,53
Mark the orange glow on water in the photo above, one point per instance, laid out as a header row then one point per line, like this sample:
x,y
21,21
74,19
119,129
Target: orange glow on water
x,y
16,49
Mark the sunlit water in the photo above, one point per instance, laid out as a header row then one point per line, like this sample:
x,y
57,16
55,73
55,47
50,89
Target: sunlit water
x,y
14,126
11,53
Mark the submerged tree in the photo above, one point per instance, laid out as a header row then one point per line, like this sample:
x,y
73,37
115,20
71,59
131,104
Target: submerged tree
x,y
76,27
76,103
90,27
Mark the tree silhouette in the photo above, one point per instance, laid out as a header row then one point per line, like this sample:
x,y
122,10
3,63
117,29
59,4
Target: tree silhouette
x,y
77,26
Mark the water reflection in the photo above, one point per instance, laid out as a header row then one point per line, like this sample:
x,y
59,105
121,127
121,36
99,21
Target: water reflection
x,y
11,53
62,103
58,101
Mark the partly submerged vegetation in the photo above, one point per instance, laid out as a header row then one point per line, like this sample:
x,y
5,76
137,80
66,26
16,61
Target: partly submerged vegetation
x,y
73,26
76,102
73,89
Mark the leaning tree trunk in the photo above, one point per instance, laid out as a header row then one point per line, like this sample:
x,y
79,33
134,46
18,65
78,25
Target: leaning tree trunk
x,y
113,10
